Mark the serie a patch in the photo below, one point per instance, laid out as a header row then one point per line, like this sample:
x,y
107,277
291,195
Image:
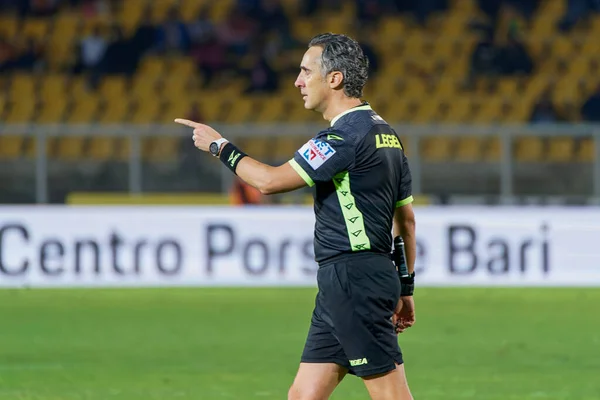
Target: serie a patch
x,y
316,152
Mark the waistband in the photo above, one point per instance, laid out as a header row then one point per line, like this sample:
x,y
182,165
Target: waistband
x,y
359,255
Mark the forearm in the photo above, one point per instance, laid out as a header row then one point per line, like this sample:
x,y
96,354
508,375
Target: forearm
x,y
410,247
268,179
406,228
255,174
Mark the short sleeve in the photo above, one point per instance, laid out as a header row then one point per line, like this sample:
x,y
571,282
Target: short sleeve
x,y
323,157
405,190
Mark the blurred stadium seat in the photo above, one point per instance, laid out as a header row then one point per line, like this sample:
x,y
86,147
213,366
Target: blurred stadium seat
x,y
421,79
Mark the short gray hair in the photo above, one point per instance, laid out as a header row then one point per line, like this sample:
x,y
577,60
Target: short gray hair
x,y
344,54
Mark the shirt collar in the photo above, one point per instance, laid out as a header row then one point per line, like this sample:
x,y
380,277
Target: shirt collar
x,y
362,107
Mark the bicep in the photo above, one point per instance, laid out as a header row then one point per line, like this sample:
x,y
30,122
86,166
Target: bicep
x,y
268,179
404,219
405,185
285,178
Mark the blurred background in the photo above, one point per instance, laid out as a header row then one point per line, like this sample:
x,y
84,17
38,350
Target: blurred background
x,y
495,100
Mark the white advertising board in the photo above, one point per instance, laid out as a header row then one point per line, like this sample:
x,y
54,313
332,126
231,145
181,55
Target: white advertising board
x,y
56,246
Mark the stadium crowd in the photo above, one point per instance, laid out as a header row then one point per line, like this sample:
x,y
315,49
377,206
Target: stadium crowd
x,y
259,30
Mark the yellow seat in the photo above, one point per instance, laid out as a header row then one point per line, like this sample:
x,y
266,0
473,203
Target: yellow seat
x,y
522,108
507,87
53,111
177,108
130,15
11,147
302,28
529,149
565,91
285,146
414,45
36,28
102,148
404,109
272,109
458,67
189,9
84,109
210,108
591,45
30,146
70,148
241,110
290,7
132,9
491,111
115,110
122,149
144,87
259,147
463,6
454,25
146,111
63,39
152,67
173,86
162,149
3,106
297,113
469,149
112,88
160,9
562,46
182,67
437,148
425,113
586,151
52,87
220,10
22,87
446,87
460,109
8,26
391,27
492,149
442,113
561,149
578,66
21,111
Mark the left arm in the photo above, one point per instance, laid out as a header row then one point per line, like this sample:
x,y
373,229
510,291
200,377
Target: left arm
x,y
265,178
268,179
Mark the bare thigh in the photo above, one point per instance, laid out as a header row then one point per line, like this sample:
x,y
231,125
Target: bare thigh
x,y
391,385
316,381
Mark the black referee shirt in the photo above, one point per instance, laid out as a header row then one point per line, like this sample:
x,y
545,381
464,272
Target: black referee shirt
x,y
361,175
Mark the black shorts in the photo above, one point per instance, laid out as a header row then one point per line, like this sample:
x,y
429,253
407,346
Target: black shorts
x,y
351,323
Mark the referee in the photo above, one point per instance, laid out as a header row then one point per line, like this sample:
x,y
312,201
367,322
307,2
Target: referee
x,y
362,195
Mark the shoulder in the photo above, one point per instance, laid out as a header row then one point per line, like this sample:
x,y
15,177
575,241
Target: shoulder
x,y
334,135
358,124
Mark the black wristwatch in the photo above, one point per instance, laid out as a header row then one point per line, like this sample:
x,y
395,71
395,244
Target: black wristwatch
x,y
215,146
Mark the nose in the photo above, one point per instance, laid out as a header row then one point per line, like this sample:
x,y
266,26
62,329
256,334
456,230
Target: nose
x,y
299,82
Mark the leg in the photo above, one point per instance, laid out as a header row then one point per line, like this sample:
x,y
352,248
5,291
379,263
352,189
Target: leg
x,y
323,364
316,381
390,385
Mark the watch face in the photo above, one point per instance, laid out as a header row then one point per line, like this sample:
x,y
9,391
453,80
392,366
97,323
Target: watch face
x,y
214,149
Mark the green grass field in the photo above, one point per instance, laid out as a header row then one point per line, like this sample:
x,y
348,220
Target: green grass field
x,y
245,344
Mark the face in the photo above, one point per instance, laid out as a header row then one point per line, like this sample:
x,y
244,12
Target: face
x,y
311,82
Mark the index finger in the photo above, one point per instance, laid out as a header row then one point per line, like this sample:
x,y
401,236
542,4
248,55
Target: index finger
x,y
187,122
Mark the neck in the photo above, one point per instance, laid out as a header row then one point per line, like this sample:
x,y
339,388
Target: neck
x,y
336,108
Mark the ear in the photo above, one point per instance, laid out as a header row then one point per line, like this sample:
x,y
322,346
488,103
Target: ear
x,y
335,79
